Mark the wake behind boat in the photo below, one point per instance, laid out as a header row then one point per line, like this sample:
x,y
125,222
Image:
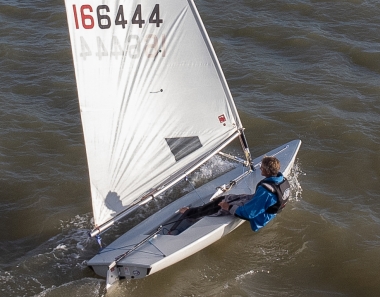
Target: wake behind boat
x,y
155,106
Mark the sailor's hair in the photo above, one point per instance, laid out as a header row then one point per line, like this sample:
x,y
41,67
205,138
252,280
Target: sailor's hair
x,y
271,165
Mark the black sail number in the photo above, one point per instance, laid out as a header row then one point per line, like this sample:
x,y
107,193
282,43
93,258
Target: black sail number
x,y
120,19
104,21
155,16
137,18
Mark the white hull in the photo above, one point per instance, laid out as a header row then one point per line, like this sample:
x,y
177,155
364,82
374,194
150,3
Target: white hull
x,y
165,250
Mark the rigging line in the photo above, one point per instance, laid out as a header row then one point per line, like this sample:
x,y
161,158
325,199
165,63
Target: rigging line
x,y
194,189
122,256
244,173
176,221
157,248
125,247
237,159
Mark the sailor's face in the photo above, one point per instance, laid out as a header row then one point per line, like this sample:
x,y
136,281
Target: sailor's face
x,y
263,170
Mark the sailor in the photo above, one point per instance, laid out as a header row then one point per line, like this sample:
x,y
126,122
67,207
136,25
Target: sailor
x,y
272,193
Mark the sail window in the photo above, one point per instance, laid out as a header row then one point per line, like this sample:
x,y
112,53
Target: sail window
x,y
183,146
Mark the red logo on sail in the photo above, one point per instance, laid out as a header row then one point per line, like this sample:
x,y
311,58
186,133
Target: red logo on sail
x,y
222,118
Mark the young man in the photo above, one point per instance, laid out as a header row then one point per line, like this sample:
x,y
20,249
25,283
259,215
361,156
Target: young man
x,y
271,195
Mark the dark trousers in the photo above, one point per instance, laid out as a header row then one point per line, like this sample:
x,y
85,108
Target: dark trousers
x,y
204,210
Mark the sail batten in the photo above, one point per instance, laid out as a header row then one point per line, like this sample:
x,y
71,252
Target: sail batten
x,y
153,98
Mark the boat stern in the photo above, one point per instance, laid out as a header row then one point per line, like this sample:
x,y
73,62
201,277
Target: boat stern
x,y
122,271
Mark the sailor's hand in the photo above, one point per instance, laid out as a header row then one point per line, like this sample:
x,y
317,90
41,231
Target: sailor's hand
x,y
183,209
224,205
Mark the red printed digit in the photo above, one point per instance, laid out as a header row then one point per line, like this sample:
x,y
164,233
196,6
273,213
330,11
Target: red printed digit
x,y
87,17
75,16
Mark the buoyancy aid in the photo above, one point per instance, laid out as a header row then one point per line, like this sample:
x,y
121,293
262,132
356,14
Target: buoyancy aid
x,y
281,190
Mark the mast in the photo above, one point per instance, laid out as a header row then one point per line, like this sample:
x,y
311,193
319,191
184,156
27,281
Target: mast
x,y
247,153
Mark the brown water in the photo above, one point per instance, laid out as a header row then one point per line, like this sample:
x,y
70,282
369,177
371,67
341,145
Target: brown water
x,y
297,69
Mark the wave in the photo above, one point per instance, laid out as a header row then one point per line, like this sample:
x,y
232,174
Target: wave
x,y
54,264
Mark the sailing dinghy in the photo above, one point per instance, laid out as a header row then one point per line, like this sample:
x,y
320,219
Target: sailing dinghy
x,y
155,106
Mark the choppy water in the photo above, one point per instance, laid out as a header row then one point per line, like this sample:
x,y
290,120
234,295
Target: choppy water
x,y
297,69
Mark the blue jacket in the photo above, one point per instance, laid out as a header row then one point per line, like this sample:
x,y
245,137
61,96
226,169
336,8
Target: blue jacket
x,y
254,210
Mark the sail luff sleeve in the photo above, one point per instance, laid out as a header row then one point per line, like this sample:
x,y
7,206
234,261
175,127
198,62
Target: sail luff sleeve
x,y
231,103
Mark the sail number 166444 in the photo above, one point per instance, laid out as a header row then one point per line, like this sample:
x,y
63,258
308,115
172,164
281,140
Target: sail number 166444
x,y
84,17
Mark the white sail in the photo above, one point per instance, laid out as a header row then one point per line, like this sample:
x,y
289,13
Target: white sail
x,y
153,98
